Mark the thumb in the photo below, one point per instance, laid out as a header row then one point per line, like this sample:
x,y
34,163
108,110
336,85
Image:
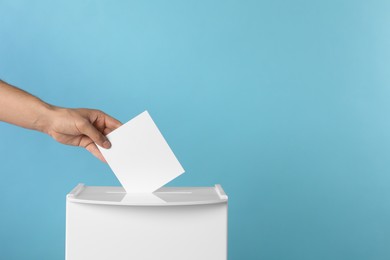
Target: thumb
x,y
89,130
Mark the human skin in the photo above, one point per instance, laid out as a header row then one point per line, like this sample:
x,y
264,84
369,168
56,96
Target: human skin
x,y
71,126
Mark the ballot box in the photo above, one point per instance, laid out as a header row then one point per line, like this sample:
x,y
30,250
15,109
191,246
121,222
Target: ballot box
x,y
173,223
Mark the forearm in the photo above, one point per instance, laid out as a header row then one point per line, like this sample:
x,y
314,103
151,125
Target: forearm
x,y
78,126
21,108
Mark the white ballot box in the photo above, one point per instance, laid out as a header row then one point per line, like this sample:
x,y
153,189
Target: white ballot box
x,y
186,223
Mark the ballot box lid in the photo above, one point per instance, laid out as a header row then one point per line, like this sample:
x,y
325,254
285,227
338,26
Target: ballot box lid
x,y
165,196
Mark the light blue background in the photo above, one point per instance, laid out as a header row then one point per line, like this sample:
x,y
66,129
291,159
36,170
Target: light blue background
x,y
284,103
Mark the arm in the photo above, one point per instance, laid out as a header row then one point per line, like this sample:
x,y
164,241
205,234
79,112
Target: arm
x,y
78,127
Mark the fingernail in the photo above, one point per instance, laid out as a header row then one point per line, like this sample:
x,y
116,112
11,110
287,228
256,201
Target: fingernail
x,y
107,144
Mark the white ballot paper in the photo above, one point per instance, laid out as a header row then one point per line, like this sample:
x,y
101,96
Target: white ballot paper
x,y
140,157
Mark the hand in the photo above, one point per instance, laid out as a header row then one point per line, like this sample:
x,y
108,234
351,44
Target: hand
x,y
81,127
78,127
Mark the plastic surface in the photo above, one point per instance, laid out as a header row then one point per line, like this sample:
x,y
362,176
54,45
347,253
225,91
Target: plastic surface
x,y
165,196
173,223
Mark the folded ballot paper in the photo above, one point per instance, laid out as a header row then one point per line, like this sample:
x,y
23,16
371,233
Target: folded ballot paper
x,y
140,157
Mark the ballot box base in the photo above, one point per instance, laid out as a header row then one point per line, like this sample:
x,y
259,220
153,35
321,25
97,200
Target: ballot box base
x,y
186,223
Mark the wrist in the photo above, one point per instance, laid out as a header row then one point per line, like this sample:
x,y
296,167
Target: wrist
x,y
45,116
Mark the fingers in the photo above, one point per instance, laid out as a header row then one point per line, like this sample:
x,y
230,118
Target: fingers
x,y
111,122
92,148
89,130
103,122
106,131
